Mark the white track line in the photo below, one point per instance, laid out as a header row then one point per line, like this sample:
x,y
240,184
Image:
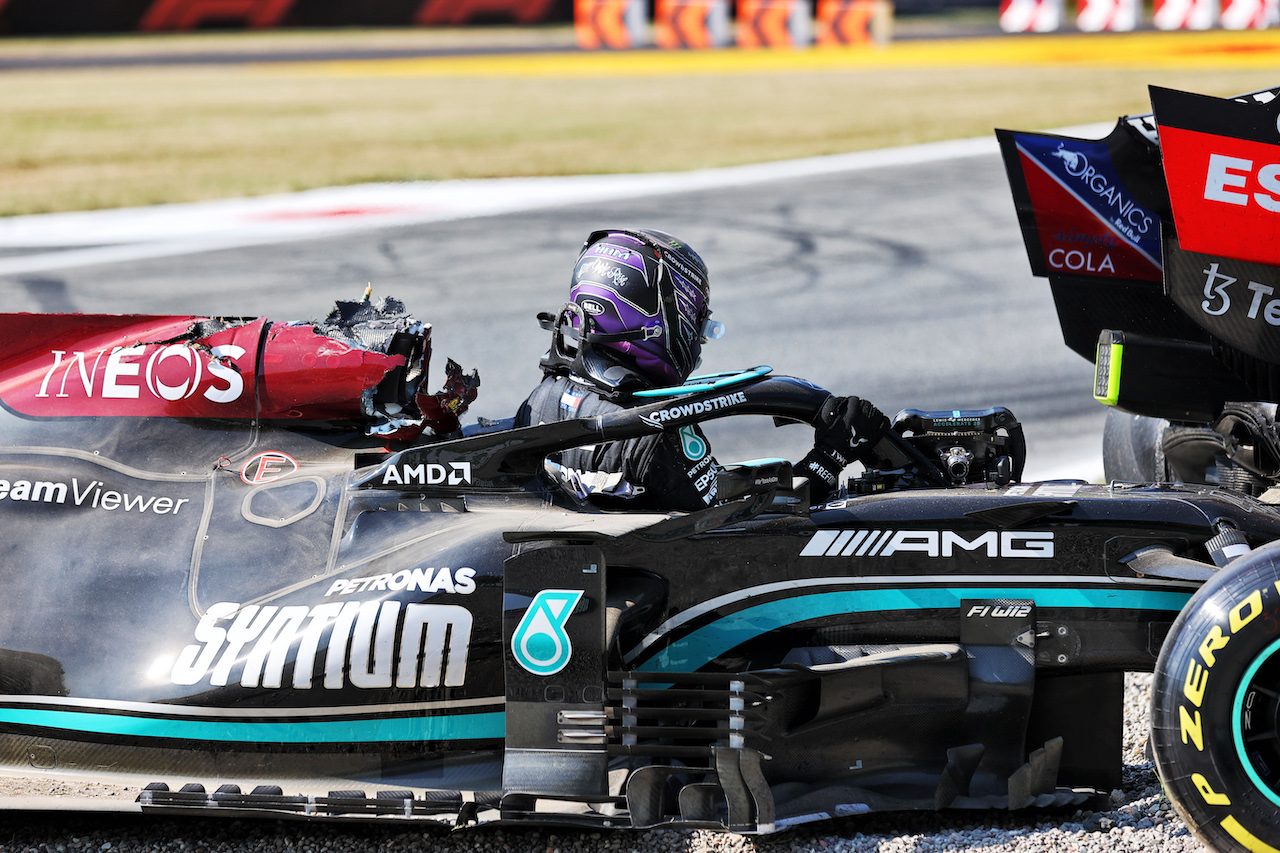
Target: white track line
x,y
66,240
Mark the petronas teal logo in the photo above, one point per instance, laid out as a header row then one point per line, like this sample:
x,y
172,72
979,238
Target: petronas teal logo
x,y
540,643
692,444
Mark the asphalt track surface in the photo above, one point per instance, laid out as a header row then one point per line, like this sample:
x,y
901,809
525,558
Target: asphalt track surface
x,y
900,280
906,284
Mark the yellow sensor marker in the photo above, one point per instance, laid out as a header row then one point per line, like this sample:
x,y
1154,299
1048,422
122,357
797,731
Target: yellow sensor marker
x,y
1106,375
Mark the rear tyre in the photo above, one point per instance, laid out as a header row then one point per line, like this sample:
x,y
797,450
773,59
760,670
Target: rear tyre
x,y
1216,708
1131,448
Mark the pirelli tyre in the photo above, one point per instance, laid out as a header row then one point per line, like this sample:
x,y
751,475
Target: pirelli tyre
x,y
1216,707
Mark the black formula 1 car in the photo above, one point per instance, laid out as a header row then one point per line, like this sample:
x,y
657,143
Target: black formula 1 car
x,y
256,568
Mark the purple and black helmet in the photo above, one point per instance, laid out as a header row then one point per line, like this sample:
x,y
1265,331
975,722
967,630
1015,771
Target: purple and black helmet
x,y
639,299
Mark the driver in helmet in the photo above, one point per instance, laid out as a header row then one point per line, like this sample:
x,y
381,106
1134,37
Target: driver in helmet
x,y
636,319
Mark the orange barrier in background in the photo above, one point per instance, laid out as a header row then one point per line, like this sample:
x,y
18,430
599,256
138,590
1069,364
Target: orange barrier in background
x,y
189,14
773,23
690,23
853,22
617,24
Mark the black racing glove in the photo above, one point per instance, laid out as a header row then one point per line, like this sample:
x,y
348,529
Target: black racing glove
x,y
848,429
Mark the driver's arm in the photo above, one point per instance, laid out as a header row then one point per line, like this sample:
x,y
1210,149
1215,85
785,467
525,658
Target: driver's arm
x,y
848,429
678,471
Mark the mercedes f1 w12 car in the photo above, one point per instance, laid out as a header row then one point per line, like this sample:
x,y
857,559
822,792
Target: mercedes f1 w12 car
x,y
256,568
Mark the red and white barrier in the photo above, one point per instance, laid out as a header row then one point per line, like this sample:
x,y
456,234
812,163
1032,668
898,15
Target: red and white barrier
x,y
1030,16
1096,16
1249,14
1185,14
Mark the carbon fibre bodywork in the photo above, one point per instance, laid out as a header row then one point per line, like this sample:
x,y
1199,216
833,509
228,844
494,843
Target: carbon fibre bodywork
x,y
293,617
255,568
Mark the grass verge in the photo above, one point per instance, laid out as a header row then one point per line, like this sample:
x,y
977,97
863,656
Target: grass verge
x,y
115,137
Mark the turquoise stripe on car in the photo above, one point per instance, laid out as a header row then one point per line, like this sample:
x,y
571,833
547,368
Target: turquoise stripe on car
x,y
484,726
700,647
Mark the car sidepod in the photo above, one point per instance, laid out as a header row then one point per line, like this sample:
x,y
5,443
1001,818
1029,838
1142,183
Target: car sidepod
x,y
927,650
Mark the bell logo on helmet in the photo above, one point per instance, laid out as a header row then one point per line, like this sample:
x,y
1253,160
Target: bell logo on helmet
x,y
592,307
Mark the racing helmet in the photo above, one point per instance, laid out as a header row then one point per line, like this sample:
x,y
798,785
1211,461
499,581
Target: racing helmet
x,y
638,304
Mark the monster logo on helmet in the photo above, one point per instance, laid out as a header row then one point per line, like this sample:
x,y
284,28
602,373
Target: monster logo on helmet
x,y
638,311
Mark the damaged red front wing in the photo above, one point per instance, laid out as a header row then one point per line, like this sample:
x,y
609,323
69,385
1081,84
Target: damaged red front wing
x,y
366,362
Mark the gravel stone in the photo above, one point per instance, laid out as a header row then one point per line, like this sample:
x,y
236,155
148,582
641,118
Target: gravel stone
x,y
1139,819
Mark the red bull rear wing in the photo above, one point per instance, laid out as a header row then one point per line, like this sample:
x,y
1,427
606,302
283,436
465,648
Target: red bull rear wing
x,y
1163,234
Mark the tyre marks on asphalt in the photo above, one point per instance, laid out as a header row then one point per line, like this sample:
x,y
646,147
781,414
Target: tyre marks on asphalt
x,y
50,295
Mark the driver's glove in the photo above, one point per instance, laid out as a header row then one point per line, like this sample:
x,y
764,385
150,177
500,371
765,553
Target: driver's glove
x,y
848,429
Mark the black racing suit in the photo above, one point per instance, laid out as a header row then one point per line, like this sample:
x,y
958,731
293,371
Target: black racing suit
x,y
669,470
